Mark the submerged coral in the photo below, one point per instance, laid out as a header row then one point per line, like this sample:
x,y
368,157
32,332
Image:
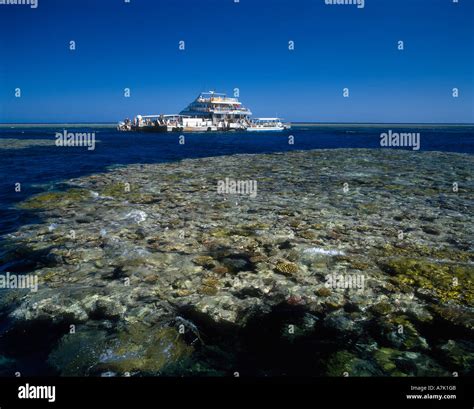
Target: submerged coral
x,y
158,245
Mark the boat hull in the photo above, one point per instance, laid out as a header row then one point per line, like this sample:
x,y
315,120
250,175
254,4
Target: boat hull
x,y
266,129
158,129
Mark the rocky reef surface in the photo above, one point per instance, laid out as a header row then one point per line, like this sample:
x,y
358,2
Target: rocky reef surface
x,y
11,143
14,144
345,263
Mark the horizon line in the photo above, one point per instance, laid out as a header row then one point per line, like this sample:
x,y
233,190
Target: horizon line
x,y
293,122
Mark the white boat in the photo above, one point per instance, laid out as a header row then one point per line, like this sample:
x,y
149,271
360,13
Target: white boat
x,y
157,123
267,125
124,126
224,113
210,111
197,124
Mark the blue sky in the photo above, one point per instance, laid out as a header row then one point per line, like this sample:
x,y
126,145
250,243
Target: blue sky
x,y
238,45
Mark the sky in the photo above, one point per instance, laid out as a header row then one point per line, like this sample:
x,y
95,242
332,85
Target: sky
x,y
240,45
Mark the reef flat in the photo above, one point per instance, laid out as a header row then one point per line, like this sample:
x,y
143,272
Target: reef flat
x,y
345,263
11,143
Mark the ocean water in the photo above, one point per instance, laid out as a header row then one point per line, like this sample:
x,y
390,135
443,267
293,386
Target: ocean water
x,y
29,157
37,167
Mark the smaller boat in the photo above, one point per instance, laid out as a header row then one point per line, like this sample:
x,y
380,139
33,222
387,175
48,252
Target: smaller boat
x,y
125,126
267,125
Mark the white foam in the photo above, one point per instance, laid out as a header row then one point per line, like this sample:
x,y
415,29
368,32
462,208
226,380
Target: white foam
x,y
137,216
324,252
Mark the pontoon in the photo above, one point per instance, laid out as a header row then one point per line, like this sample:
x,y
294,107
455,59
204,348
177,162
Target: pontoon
x,y
267,125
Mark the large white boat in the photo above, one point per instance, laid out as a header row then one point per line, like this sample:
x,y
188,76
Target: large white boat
x,y
223,112
267,125
210,111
